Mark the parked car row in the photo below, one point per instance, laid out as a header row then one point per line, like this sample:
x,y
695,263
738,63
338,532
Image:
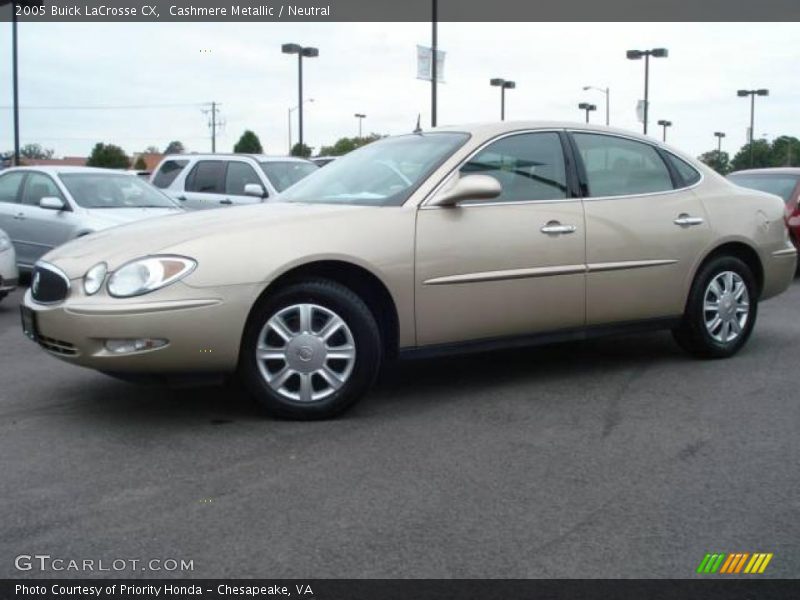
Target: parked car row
x,y
457,239
8,266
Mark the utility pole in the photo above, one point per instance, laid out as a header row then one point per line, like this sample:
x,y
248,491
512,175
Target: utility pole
x,y
214,123
434,57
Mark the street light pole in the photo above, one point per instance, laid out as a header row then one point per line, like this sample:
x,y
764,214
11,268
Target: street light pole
x,y
646,54
752,94
664,124
360,118
503,85
307,52
607,92
719,135
434,56
15,80
291,110
585,106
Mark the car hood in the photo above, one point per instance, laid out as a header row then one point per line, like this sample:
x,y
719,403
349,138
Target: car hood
x,y
207,232
120,216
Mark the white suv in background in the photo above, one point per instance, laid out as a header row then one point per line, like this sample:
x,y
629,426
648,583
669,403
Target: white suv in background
x,y
199,181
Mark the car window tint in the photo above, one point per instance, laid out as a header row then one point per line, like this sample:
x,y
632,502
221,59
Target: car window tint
x,y
206,177
778,184
168,171
9,187
688,173
39,186
529,167
617,166
239,174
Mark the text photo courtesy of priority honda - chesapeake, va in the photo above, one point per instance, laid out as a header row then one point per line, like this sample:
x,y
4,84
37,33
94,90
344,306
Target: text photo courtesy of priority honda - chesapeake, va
x,y
359,299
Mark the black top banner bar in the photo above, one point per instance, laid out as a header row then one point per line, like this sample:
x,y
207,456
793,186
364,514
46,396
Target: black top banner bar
x,y
401,10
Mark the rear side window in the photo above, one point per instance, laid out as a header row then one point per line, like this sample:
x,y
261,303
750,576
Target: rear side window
x,y
207,176
239,175
529,166
9,187
621,167
168,172
687,172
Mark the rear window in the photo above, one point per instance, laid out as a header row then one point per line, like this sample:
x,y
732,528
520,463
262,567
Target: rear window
x,y
168,172
778,184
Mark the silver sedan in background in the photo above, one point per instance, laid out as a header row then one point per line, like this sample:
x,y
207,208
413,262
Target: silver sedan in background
x,y
44,207
8,266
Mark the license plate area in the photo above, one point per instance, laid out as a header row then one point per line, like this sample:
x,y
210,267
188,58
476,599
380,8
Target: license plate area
x,y
29,323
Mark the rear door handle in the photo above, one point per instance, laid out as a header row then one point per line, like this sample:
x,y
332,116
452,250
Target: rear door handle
x,y
685,220
554,227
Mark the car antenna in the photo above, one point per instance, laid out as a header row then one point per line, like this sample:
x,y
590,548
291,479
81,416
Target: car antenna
x,y
418,129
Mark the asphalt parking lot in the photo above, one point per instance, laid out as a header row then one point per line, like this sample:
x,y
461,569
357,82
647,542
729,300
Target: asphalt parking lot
x,y
610,458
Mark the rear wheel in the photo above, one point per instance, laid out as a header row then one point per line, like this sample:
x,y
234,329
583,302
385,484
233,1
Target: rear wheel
x,y
310,350
721,310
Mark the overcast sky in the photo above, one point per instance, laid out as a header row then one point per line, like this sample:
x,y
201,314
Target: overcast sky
x,y
370,68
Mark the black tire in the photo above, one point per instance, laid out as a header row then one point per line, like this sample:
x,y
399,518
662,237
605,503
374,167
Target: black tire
x,y
365,333
692,334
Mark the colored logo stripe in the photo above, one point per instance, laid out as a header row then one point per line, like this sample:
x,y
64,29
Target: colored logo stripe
x,y
735,563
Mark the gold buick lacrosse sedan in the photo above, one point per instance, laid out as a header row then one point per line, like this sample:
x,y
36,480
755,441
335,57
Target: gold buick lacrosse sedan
x,y
459,238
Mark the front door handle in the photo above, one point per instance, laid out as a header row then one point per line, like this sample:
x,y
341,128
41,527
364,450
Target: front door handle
x,y
554,227
182,198
226,201
685,220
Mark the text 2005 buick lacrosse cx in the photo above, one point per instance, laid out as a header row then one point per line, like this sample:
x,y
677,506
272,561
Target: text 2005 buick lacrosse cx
x,y
452,239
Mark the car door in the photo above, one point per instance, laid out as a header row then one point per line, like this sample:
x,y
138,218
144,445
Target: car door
x,y
238,174
513,265
10,212
204,186
645,228
42,229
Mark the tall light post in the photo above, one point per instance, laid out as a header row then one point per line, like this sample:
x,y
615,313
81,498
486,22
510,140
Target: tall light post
x,y
585,106
360,118
664,124
646,54
607,92
434,57
302,52
503,85
719,135
291,110
752,94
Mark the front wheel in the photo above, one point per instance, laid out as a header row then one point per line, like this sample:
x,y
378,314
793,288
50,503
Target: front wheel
x,y
310,350
721,310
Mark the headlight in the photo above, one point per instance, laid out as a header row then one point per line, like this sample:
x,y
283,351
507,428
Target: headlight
x,y
5,243
148,274
93,280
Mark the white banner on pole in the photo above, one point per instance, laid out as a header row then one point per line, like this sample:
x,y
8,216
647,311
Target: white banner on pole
x,y
640,111
425,66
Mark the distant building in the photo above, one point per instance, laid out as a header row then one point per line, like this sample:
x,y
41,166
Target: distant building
x,y
151,159
67,161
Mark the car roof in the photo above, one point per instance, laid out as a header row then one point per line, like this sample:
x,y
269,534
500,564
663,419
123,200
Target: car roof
x,y
56,169
490,129
258,157
769,171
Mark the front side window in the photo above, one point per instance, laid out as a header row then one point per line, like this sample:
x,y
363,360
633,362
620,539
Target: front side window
x,y
9,186
113,190
618,166
239,174
39,186
168,172
529,166
207,176
284,174
383,173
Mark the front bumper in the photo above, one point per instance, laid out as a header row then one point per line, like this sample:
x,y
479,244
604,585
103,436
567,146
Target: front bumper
x,y
7,285
203,328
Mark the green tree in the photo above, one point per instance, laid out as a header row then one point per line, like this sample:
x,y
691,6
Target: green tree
x,y
301,150
345,145
140,165
719,161
175,147
248,144
786,151
108,156
153,150
35,151
762,156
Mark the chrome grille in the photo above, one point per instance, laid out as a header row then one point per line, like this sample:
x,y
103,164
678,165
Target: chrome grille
x,y
48,284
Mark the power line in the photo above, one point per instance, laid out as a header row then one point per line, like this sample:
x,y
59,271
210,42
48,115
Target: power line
x,y
214,122
107,107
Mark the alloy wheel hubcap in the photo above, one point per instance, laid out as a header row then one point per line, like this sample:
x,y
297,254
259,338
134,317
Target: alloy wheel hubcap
x,y
305,352
726,307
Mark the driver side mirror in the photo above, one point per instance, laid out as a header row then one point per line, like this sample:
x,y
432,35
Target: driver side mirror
x,y
52,203
469,187
255,189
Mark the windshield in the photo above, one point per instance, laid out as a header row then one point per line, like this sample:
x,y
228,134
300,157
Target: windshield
x,y
285,174
383,173
780,185
113,190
